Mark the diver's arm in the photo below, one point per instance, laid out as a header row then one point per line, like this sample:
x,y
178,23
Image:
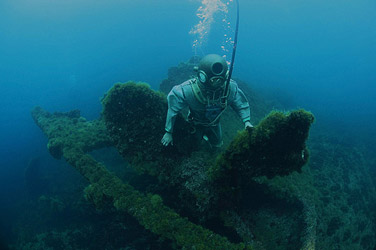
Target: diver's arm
x,y
240,104
176,102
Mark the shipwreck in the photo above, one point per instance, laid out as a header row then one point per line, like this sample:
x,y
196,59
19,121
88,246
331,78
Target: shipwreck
x,y
216,201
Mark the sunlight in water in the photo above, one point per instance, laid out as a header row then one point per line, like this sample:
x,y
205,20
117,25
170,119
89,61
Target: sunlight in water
x,y
206,13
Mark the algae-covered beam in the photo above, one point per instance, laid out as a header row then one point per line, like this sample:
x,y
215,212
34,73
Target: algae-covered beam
x,y
149,210
69,129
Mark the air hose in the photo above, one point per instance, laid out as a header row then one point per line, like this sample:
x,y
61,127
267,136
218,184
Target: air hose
x,y
225,92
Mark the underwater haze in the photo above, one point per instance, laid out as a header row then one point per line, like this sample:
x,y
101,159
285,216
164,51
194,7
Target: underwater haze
x,y
319,55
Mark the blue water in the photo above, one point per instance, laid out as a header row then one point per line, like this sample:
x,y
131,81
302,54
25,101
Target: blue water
x,y
65,55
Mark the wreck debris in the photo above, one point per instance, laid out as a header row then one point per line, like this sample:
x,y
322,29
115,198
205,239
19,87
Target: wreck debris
x,y
72,139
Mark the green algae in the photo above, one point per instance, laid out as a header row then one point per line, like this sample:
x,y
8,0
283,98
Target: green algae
x,y
276,146
135,116
70,130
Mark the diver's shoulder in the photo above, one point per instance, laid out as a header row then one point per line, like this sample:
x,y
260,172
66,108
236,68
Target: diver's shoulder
x,y
187,85
182,87
188,82
233,84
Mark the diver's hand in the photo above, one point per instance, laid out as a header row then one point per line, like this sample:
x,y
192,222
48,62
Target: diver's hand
x,y
167,139
248,124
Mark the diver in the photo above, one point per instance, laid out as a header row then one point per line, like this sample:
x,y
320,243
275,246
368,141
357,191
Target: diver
x,y
206,96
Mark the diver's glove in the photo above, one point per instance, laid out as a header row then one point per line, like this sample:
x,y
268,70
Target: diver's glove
x,y
248,124
167,139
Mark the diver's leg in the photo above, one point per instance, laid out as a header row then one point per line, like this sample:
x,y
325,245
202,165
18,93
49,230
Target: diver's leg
x,y
198,134
214,134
